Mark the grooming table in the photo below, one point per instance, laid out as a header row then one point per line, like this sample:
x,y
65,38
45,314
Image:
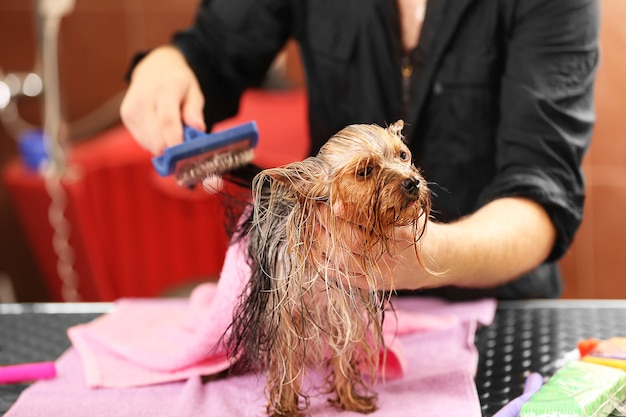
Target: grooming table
x,y
525,336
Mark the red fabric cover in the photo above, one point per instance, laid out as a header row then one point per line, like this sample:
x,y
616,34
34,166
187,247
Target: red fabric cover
x,y
134,233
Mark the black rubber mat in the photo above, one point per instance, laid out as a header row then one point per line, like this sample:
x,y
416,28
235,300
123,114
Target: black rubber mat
x,y
525,337
535,337
34,333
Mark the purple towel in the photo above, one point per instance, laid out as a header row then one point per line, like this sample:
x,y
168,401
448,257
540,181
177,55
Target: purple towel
x,y
534,382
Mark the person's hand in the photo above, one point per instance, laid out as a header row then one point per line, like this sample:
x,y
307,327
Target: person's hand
x,y
499,242
400,254
163,94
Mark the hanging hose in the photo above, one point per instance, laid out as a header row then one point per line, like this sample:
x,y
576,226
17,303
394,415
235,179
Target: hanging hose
x,y
60,239
50,14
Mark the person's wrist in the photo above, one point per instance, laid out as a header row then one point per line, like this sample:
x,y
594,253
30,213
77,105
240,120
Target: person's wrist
x,y
435,253
420,264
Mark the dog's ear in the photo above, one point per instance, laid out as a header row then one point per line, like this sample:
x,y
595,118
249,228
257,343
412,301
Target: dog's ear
x,y
306,178
396,129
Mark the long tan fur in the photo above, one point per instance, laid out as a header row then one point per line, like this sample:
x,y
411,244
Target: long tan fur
x,y
301,309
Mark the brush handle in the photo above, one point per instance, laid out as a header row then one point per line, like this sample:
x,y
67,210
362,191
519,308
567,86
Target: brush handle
x,y
189,133
27,372
197,143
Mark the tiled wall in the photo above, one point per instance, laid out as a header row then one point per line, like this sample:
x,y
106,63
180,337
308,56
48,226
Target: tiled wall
x,y
16,53
596,267
96,43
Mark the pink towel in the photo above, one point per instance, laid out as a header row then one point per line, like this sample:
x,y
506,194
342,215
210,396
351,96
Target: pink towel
x,y
152,341
438,379
147,341
151,353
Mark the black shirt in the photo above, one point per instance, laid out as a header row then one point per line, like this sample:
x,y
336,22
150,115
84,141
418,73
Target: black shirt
x,y
502,104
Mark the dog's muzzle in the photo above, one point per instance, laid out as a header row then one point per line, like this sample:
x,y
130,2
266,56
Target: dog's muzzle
x,y
411,186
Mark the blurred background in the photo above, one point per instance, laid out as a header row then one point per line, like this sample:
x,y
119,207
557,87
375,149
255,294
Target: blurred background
x,y
106,252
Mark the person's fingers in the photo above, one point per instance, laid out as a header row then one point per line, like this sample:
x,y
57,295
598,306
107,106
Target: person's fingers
x,y
363,260
193,107
168,117
138,112
339,246
162,88
128,111
180,102
133,118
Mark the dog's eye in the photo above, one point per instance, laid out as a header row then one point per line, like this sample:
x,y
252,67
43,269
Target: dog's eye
x,y
404,155
365,171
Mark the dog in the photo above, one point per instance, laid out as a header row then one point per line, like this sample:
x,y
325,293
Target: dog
x,y
301,309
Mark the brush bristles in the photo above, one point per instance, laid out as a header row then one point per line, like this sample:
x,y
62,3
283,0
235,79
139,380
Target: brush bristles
x,y
216,164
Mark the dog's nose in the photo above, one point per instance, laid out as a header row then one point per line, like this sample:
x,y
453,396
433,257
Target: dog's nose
x,y
411,185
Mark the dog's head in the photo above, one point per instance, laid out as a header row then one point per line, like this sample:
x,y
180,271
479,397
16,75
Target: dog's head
x,y
371,174
367,172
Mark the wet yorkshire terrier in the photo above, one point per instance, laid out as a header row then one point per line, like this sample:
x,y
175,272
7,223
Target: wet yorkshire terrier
x,y
301,308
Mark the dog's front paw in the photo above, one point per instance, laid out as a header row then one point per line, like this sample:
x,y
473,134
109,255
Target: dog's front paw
x,y
351,401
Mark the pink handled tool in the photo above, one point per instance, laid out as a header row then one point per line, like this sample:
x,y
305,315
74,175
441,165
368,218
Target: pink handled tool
x,y
27,372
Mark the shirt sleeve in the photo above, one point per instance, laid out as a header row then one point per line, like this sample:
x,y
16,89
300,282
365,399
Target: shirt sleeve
x,y
547,110
230,47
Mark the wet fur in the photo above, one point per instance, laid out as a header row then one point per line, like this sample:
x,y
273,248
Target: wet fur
x,y
300,311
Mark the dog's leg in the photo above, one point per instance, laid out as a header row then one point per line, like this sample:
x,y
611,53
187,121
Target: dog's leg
x,y
284,402
285,373
284,392
345,377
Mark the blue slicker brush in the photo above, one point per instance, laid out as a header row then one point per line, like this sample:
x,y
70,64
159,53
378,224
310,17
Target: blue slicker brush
x,y
203,155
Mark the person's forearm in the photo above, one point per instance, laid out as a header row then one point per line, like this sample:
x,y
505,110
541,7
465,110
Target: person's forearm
x,y
503,240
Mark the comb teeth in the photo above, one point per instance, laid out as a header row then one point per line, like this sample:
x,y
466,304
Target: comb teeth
x,y
191,174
